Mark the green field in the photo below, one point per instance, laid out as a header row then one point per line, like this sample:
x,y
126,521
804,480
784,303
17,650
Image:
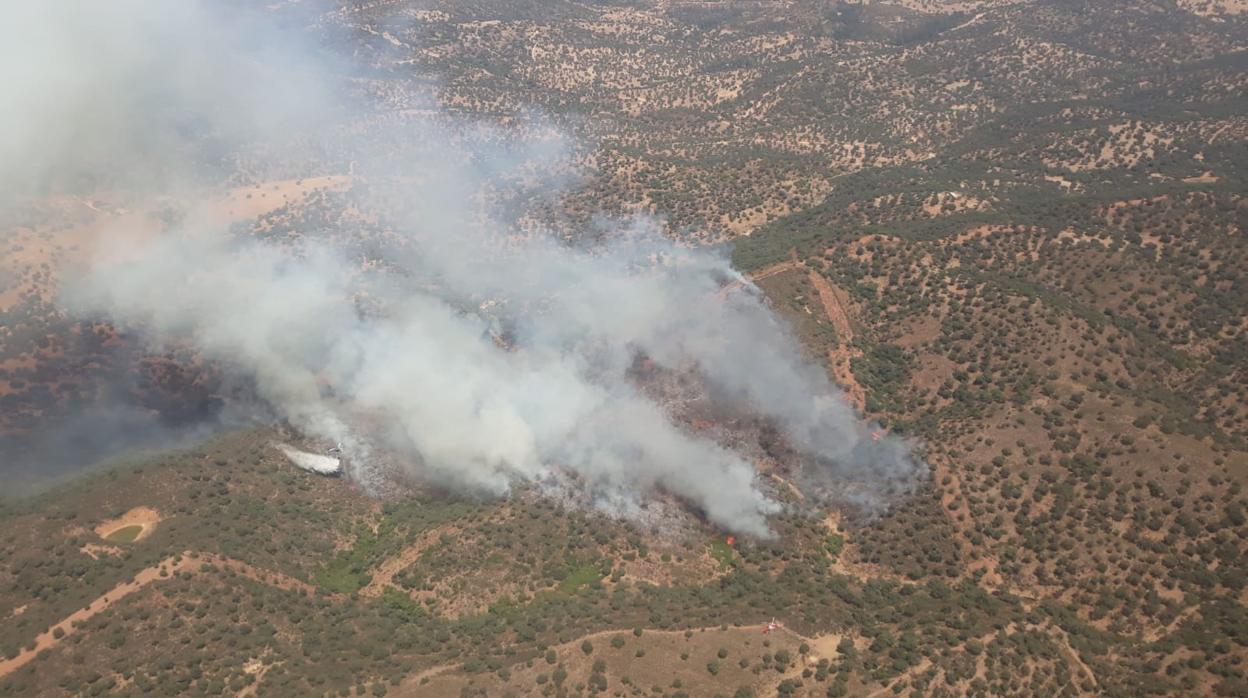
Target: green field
x,y
126,534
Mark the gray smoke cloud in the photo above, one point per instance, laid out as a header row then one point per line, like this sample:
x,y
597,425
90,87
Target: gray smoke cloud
x,y
140,94
398,347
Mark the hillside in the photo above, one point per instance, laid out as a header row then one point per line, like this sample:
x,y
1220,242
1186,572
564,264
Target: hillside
x,y
1013,231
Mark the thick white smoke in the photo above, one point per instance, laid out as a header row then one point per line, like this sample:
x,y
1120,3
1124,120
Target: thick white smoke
x,y
144,93
406,340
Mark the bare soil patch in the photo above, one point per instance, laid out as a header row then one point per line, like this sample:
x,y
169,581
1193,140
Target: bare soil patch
x,y
130,527
96,551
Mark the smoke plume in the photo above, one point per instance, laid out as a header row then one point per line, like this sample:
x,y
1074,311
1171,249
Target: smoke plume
x,y
442,325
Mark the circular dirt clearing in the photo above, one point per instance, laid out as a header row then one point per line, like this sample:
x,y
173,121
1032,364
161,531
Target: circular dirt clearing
x,y
134,525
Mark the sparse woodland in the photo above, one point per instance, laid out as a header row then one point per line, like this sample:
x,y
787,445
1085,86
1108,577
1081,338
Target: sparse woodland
x,y
1032,219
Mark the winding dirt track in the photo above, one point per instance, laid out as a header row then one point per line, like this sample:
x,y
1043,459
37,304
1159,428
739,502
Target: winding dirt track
x,y
774,269
162,570
274,579
384,575
757,276
821,645
840,355
834,308
824,645
47,640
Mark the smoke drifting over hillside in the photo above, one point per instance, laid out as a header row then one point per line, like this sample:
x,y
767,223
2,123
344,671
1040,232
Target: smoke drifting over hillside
x,y
405,337
146,94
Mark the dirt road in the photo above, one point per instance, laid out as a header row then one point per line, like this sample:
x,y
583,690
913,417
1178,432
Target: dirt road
x,y
840,356
384,575
49,639
162,570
